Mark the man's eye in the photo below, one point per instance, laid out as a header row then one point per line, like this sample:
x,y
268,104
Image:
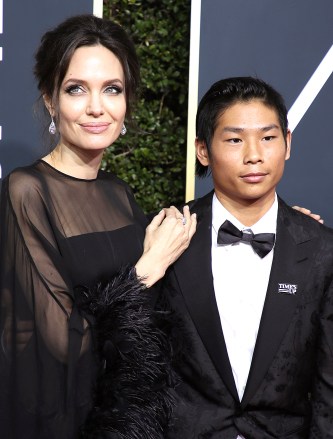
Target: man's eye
x,y
268,138
234,140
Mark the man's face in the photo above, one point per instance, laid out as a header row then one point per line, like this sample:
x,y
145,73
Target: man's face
x,y
247,156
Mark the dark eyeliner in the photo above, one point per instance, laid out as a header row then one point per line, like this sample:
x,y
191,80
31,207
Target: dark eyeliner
x,y
69,89
117,88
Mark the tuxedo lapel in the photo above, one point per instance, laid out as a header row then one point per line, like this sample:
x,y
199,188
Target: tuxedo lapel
x,y
194,274
292,255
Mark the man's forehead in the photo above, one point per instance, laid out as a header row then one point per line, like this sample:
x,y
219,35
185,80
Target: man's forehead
x,y
253,114
264,128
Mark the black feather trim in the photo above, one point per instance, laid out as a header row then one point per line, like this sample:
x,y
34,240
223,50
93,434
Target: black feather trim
x,y
134,394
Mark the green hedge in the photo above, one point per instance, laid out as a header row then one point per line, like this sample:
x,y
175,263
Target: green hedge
x,y
152,156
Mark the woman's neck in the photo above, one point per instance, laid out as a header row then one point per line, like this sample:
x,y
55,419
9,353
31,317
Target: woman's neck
x,y
76,163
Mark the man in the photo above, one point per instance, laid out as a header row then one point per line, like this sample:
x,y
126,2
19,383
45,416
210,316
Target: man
x,y
254,289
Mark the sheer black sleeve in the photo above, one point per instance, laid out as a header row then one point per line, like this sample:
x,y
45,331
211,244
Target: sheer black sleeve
x,y
35,285
43,336
73,309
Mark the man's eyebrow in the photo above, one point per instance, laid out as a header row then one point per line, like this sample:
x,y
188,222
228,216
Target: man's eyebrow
x,y
270,127
233,129
240,129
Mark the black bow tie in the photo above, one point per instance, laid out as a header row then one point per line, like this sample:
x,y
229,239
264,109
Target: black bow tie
x,y
262,243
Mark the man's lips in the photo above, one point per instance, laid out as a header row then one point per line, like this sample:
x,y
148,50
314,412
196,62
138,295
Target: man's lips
x,y
95,127
254,177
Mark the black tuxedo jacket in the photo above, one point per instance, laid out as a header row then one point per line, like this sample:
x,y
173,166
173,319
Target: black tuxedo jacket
x,y
289,392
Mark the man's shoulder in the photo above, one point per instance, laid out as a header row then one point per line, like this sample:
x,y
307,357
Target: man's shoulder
x,y
300,221
201,202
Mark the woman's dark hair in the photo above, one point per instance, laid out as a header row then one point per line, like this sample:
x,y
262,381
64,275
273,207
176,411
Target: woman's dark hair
x,y
58,46
227,92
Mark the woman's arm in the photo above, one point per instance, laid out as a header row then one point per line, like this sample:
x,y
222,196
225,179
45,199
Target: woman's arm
x,y
167,237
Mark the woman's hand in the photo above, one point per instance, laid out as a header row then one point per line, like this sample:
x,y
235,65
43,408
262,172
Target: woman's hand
x,y
167,237
309,213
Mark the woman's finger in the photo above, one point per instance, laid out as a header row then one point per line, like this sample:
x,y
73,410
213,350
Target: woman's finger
x,y
157,220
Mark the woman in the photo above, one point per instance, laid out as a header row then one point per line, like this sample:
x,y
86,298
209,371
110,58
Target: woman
x,y
75,267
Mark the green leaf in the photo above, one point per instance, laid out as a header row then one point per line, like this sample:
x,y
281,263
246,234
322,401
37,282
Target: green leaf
x,y
152,156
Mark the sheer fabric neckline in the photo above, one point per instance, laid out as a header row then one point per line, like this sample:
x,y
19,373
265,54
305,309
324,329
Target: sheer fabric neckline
x,y
87,180
57,233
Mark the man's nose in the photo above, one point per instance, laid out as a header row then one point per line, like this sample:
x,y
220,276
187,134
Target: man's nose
x,y
253,152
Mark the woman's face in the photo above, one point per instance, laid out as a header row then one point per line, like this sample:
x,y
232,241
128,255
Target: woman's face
x,y
92,102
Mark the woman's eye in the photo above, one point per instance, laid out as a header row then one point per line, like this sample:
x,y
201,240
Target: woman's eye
x,y
113,89
74,90
79,89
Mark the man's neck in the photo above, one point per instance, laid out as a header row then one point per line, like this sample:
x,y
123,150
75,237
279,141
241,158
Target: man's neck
x,y
248,212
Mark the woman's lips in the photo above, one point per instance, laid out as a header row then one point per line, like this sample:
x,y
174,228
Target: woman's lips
x,y
254,177
95,128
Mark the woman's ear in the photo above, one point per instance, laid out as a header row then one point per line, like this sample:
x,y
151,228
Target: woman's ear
x,y
202,152
48,104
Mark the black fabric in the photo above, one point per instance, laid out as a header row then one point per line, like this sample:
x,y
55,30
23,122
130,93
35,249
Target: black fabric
x,y
58,234
134,395
262,243
289,391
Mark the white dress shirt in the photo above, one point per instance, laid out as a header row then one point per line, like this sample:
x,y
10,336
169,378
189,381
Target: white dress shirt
x,y
240,282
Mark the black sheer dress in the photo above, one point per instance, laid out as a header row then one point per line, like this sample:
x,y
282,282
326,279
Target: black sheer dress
x,y
60,237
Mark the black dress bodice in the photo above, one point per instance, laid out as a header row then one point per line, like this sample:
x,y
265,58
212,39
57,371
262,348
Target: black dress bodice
x,y
57,233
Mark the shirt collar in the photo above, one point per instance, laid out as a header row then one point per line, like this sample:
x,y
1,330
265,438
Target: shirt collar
x,y
266,224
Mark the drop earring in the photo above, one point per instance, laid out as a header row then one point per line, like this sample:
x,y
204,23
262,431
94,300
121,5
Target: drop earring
x,y
123,131
52,127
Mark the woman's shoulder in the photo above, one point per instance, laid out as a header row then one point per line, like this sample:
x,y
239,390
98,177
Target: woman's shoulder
x,y
122,188
112,178
23,181
27,171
